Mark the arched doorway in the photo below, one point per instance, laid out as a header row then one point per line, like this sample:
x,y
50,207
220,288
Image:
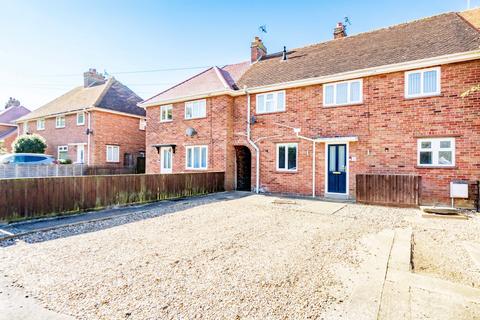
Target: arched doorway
x,y
244,168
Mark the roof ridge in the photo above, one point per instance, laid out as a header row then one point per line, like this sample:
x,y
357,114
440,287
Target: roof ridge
x,y
176,85
372,31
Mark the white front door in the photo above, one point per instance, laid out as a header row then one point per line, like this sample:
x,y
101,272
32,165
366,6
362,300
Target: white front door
x,y
80,153
166,154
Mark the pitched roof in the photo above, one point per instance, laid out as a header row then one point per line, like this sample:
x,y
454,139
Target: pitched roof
x,y
426,38
210,80
111,95
11,114
8,132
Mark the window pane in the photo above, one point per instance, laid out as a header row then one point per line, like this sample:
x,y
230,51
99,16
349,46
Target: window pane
x,y
430,81
169,113
260,103
332,166
445,157
341,159
269,106
355,91
342,93
445,144
188,112
202,108
196,157
189,157
414,83
426,144
204,157
281,157
329,94
280,101
425,157
292,158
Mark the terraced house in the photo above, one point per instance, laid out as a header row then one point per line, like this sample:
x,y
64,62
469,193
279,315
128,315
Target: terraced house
x,y
98,123
308,120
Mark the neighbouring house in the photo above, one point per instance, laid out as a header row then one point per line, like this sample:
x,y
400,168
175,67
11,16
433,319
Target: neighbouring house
x,y
8,127
308,120
98,123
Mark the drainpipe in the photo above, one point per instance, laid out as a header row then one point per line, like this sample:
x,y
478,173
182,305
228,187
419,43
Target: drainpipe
x,y
257,150
88,138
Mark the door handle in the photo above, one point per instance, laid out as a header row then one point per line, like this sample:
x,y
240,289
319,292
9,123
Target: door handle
x,y
336,172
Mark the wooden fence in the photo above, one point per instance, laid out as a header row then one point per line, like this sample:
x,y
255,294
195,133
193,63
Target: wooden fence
x,y
390,190
36,197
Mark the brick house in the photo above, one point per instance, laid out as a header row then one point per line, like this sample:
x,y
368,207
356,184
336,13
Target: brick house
x,y
8,128
307,120
98,123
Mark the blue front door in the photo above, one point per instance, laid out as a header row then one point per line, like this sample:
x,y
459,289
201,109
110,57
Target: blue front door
x,y
337,168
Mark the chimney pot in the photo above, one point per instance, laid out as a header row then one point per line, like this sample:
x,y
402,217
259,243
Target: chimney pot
x,y
339,31
92,78
258,50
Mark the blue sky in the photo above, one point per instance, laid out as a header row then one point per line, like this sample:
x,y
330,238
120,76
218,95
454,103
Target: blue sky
x,y
47,45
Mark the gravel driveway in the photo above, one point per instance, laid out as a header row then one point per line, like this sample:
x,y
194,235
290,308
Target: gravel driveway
x,y
244,258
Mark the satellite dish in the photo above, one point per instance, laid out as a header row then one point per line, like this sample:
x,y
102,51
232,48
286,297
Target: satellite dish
x,y
253,120
190,132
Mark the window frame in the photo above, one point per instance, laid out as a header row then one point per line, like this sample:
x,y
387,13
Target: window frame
x,y
277,156
25,127
142,124
57,121
422,72
58,151
166,108
193,161
188,103
349,102
435,149
275,102
40,128
83,122
113,147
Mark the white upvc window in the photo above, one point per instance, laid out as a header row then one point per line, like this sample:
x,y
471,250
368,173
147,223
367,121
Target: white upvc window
x,y
271,102
287,156
62,153
343,93
436,152
196,157
166,113
60,122
80,118
41,124
422,83
25,127
142,125
113,153
196,109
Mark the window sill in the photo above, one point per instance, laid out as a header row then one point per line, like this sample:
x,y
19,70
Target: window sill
x,y
287,171
423,96
59,127
267,113
343,105
192,169
167,121
435,167
195,118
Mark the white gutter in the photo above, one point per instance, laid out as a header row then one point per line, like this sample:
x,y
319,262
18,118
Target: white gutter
x,y
257,149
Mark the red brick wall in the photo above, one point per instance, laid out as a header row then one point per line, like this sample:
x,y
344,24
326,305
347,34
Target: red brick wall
x,y
215,131
114,129
7,141
387,126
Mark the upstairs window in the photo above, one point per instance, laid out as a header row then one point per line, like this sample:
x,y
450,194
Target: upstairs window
x,y
422,83
287,156
60,122
436,152
166,113
343,93
41,124
142,124
271,102
25,127
80,118
196,158
196,109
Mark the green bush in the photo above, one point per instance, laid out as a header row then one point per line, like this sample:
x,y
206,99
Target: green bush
x,y
29,143
64,161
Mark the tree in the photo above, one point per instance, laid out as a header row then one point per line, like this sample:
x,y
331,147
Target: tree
x,y
29,143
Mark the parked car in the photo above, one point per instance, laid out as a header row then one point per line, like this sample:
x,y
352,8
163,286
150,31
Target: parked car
x,y
27,158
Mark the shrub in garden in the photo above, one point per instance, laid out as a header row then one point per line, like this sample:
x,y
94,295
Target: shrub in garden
x,y
29,143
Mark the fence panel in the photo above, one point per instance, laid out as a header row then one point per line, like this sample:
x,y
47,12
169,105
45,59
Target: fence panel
x,y
35,197
383,189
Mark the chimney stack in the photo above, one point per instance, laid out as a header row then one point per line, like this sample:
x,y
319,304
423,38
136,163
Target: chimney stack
x,y
339,31
92,78
258,50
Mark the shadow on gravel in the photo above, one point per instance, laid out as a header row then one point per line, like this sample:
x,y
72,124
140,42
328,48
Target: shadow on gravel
x,y
107,218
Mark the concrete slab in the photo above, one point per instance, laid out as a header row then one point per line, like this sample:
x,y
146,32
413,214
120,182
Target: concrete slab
x,y
473,250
